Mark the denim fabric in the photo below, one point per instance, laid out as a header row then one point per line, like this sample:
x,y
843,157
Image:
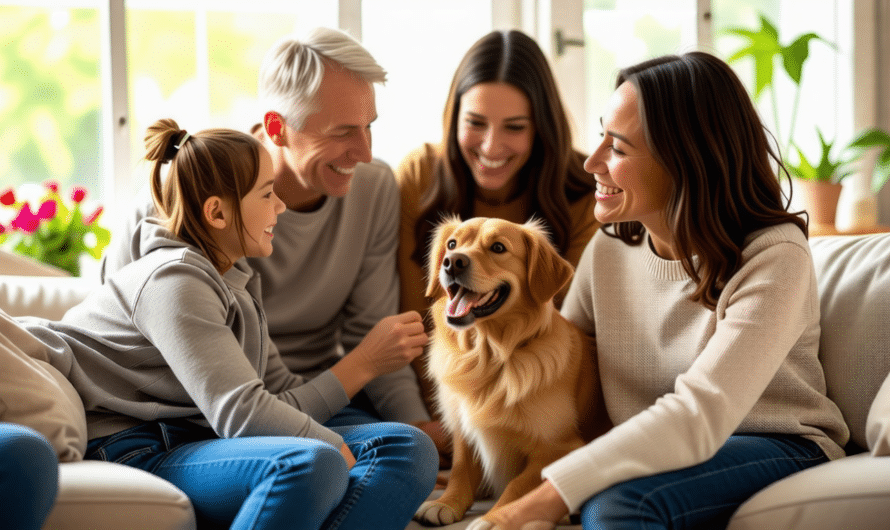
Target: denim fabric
x,y
285,482
29,477
703,496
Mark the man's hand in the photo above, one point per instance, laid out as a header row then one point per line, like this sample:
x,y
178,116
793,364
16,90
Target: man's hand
x,y
393,343
390,345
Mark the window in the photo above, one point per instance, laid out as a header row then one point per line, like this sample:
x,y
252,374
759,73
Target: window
x,y
197,62
624,32
420,59
827,76
50,95
191,60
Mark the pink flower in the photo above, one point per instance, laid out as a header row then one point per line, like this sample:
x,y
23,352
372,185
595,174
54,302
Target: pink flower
x,y
47,210
93,216
52,185
2,229
8,198
77,194
25,221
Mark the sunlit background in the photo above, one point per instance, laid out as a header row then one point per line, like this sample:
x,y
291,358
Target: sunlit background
x,y
197,62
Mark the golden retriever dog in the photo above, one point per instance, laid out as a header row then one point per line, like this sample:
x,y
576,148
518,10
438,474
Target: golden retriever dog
x,y
516,383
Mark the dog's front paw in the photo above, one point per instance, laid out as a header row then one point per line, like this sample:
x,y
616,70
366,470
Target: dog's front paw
x,y
481,524
538,525
436,513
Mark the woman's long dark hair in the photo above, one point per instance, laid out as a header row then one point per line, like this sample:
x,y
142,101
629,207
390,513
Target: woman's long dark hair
x,y
701,126
554,168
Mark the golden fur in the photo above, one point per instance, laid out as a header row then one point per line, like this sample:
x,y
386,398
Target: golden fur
x,y
516,388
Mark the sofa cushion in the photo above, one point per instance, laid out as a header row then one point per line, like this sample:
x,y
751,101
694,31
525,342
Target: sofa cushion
x,y
851,492
853,275
96,495
34,394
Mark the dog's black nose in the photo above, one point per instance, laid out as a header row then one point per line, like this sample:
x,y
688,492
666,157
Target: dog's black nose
x,y
455,264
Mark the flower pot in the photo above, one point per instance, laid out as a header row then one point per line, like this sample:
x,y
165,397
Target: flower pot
x,y
820,199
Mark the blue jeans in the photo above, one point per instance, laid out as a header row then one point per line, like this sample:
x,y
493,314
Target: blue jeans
x,y
706,495
29,477
279,482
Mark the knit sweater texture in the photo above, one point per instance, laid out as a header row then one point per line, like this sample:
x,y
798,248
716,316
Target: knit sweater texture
x,y
678,378
168,336
331,277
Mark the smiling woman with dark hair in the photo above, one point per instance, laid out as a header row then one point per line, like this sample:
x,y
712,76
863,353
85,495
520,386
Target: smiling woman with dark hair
x,y
506,152
701,294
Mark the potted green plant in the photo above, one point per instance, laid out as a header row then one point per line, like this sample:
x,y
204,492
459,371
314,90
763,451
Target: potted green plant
x,y
820,182
764,47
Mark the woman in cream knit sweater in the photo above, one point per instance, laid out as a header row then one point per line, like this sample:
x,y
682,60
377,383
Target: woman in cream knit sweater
x,y
701,293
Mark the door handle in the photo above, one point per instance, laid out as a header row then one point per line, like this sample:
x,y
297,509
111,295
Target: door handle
x,y
563,42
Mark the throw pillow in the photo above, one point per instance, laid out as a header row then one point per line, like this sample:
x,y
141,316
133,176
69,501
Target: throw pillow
x,y
35,394
877,429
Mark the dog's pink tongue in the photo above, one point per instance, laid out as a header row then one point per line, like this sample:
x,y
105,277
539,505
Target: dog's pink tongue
x,y
462,303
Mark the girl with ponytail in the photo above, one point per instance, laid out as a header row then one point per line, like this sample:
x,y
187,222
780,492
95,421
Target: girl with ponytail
x,y
173,361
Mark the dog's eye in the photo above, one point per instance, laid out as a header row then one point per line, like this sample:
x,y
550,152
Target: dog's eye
x,y
451,244
498,248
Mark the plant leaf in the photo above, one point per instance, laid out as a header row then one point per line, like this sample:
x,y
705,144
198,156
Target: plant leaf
x,y
871,138
795,55
762,47
103,237
827,169
804,169
881,173
768,28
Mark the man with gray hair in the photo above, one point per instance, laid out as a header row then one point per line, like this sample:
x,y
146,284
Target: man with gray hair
x,y
330,287
331,282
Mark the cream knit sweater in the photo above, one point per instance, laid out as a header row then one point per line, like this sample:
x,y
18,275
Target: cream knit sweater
x,y
678,378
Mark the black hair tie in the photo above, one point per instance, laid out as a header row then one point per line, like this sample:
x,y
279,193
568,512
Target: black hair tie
x,y
173,146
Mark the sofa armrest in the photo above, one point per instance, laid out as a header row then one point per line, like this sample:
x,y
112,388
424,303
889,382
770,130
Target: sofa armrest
x,y
13,264
851,492
96,495
42,296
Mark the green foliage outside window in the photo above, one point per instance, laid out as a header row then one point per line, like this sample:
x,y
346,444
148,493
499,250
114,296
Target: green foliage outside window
x,y
50,95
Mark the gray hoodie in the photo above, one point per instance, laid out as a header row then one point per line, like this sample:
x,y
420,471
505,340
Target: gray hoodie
x,y
167,336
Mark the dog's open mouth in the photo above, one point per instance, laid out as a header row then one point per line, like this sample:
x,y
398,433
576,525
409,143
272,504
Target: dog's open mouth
x,y
464,305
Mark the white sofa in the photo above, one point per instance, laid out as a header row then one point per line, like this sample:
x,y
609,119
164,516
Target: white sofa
x,y
92,495
854,492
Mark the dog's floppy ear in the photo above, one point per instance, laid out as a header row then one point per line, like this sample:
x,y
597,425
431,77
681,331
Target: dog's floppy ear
x,y
548,272
441,234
